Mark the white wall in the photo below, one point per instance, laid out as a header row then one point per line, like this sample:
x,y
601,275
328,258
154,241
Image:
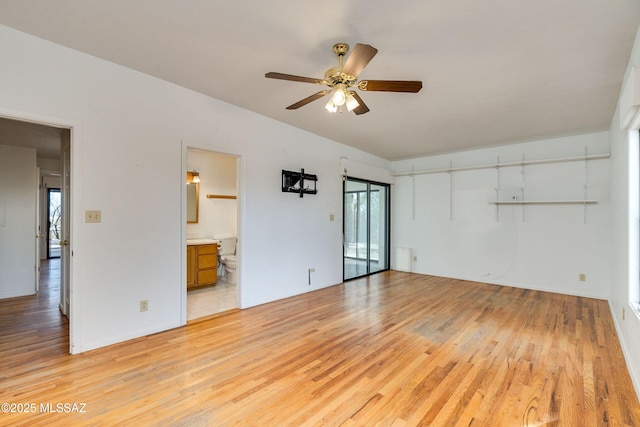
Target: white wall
x,y
218,175
624,230
18,194
127,155
455,231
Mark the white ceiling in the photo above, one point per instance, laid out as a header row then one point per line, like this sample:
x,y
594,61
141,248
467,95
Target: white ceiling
x,y
494,71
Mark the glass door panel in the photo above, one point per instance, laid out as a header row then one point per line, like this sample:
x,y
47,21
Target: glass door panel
x,y
378,228
355,229
366,228
54,212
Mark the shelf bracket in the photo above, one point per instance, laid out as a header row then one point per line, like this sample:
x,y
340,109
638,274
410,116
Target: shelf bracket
x,y
450,192
498,189
586,152
522,192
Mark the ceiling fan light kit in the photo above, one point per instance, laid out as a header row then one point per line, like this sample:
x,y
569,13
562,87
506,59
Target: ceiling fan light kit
x,y
331,107
351,102
344,77
339,95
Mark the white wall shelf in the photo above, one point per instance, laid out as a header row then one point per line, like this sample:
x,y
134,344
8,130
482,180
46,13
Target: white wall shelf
x,y
545,202
584,201
505,165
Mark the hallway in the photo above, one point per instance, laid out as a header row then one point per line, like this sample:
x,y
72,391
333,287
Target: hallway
x,y
35,322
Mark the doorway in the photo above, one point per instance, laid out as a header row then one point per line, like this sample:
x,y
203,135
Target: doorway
x,y
51,143
366,232
213,285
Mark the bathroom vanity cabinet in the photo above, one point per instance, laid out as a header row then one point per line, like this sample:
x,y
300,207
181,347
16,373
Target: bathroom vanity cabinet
x,y
202,264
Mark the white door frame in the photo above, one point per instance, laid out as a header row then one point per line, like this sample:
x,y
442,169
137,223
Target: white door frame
x,y
65,229
37,229
73,214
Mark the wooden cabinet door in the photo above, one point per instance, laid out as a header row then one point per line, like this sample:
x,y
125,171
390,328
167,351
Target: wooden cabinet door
x,y
207,261
207,265
202,265
192,259
207,277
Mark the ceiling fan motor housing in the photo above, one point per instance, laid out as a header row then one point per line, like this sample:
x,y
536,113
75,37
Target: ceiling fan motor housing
x,y
334,76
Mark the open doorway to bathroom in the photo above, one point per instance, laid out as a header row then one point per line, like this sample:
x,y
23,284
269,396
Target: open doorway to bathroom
x,y
212,230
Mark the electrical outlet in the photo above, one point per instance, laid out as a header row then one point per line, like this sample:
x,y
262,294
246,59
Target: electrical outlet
x,y
331,217
415,258
312,270
622,313
582,277
144,305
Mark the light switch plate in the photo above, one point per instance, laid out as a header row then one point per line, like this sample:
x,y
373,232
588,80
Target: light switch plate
x,y
92,216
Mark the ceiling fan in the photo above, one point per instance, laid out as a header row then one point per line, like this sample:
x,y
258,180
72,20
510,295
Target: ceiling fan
x,y
343,78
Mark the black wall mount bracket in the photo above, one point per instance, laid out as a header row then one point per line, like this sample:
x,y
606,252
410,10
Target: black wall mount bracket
x,y
299,182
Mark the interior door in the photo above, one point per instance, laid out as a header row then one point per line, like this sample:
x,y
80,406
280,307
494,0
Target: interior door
x,y
365,228
65,227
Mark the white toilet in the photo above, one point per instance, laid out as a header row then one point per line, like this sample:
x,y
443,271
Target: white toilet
x,y
227,252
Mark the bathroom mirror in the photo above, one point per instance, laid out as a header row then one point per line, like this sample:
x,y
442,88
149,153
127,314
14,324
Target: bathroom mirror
x,y
193,191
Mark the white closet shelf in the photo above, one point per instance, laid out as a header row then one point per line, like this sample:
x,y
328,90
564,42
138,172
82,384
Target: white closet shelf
x,y
545,202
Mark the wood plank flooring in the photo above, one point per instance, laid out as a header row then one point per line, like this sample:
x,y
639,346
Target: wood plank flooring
x,y
396,349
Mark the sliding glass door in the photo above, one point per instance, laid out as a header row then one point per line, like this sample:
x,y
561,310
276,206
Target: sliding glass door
x,y
365,228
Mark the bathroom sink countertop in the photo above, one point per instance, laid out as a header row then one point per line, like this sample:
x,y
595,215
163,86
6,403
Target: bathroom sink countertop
x,y
201,241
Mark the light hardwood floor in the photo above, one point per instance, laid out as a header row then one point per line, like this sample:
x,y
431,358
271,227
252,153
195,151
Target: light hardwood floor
x,y
396,349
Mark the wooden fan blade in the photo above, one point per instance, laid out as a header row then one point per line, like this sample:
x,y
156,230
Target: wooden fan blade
x,y
291,77
358,59
307,100
362,107
390,85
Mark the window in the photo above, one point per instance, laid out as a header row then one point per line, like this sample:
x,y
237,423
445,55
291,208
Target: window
x,y
54,221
